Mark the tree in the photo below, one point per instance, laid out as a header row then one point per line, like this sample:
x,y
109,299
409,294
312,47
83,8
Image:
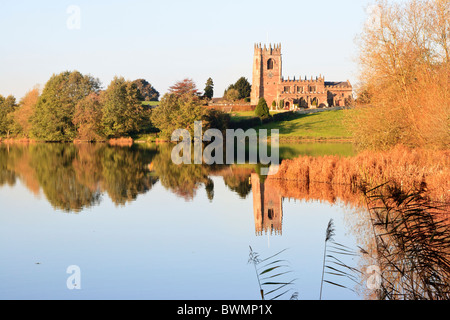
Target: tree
x,y
404,63
243,87
181,111
87,118
53,117
186,86
177,112
148,93
209,89
215,119
22,115
7,107
122,111
231,95
262,110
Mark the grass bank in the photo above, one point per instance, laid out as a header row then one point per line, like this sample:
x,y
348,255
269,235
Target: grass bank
x,y
325,125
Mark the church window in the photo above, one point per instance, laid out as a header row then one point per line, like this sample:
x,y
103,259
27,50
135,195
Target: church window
x,y
270,64
270,214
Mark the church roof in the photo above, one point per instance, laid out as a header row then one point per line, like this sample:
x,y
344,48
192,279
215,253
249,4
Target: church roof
x,y
344,84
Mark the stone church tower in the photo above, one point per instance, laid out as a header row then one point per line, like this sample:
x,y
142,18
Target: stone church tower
x,y
289,94
266,73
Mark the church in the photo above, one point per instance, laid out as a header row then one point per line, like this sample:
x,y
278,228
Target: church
x,y
289,94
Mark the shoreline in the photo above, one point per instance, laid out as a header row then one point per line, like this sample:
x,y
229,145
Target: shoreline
x,y
128,140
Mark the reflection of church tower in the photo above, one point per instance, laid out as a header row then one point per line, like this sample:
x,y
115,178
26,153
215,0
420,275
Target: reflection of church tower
x,y
267,207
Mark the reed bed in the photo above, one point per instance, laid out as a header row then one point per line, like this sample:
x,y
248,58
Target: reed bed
x,y
121,142
405,167
323,192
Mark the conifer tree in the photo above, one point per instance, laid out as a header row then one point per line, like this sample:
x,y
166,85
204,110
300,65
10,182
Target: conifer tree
x,y
262,110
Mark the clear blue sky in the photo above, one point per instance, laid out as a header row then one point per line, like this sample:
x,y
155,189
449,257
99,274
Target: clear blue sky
x,y
166,41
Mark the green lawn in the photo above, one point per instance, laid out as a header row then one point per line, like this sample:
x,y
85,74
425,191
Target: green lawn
x,y
291,150
236,116
321,125
150,103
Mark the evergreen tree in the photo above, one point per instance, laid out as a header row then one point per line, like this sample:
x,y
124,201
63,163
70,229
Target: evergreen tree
x,y
244,88
209,89
262,110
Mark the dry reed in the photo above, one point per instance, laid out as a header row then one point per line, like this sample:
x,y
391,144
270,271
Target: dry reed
x,y
408,168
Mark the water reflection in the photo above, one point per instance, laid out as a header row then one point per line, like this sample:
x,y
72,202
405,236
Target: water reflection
x,y
75,177
412,242
269,195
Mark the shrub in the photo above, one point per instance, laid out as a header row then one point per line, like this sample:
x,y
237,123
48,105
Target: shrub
x,y
262,110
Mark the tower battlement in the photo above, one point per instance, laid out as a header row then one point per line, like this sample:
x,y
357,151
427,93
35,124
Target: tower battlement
x,y
300,81
264,50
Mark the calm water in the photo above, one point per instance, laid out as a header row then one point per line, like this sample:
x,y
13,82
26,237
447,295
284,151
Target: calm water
x,y
139,227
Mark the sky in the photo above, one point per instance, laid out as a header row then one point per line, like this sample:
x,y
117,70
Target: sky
x,y
167,41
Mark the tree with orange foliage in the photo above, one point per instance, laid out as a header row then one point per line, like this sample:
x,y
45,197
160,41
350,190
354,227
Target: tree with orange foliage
x,y
87,118
404,63
186,86
21,125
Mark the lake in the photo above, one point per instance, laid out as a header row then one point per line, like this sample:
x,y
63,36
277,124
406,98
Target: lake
x,y
91,221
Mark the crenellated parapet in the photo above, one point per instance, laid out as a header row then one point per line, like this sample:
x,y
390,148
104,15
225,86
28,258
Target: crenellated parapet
x,y
263,50
319,79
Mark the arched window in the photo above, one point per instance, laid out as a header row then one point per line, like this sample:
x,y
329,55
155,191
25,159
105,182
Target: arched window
x,y
270,64
270,214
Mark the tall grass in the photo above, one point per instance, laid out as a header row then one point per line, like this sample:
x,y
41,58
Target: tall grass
x,y
333,267
407,168
270,273
412,235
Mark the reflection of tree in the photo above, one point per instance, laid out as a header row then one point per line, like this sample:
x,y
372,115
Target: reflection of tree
x,y
7,176
238,180
182,179
209,187
125,173
53,164
15,163
88,164
73,177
